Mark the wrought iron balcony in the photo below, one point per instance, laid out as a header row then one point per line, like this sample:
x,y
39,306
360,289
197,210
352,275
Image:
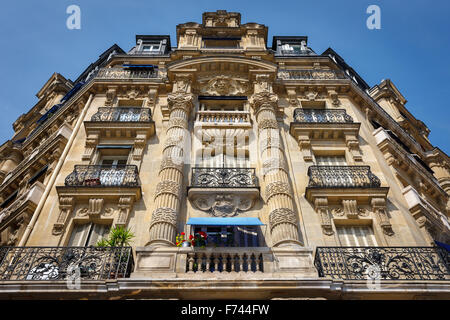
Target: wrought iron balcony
x,y
223,178
120,73
65,263
342,177
103,176
122,114
383,263
311,75
321,116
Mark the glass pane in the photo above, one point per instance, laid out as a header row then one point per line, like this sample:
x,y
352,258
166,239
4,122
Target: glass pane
x,y
79,235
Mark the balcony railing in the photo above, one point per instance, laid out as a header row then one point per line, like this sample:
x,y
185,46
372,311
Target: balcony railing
x,y
65,263
122,114
223,178
103,176
383,263
311,74
225,261
120,73
342,177
223,117
321,116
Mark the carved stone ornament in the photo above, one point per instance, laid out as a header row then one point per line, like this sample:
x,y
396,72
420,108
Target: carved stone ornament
x,y
223,205
164,214
278,187
282,215
263,100
224,85
182,101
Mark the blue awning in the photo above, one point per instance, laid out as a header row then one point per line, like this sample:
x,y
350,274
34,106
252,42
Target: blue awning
x,y
442,245
225,221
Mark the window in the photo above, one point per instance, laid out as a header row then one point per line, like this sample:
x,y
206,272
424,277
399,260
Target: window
x,y
356,236
230,236
291,48
331,160
114,162
151,47
222,107
88,234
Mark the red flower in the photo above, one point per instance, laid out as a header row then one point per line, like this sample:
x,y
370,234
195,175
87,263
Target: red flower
x,y
182,233
190,237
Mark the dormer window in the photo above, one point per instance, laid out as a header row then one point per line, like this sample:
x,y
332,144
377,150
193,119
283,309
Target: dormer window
x,y
151,47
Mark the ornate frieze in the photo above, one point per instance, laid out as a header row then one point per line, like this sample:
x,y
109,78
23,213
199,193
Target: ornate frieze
x,y
280,216
164,214
278,187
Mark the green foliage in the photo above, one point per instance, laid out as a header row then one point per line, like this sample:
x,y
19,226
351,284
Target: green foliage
x,y
118,237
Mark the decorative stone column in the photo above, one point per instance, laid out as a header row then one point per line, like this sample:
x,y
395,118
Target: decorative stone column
x,y
168,191
278,192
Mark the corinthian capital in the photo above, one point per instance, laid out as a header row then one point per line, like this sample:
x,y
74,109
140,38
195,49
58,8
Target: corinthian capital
x,y
264,100
180,101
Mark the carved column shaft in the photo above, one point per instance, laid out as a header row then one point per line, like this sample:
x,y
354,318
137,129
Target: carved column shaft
x,y
279,196
168,190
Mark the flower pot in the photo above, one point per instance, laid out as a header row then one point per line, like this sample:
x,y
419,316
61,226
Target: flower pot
x,y
186,244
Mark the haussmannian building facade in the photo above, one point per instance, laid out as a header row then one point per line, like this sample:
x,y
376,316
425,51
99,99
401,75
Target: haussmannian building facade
x,y
308,182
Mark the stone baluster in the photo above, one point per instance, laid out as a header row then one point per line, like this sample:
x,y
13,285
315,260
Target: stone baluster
x,y
208,262
278,192
168,191
216,261
233,262
241,262
191,261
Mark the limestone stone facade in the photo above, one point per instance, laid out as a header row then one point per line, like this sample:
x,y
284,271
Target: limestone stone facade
x,y
308,182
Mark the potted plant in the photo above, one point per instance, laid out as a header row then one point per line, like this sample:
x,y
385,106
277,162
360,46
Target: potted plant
x,y
118,237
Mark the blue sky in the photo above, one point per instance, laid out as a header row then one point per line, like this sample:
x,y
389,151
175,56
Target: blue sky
x,y
412,48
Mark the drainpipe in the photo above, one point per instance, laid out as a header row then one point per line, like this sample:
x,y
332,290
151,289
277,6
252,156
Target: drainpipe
x,y
55,172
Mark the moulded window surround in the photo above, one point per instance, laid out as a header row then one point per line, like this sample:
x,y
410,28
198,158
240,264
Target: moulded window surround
x,y
87,234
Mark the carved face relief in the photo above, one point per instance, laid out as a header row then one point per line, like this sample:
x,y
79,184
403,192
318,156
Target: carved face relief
x,y
224,85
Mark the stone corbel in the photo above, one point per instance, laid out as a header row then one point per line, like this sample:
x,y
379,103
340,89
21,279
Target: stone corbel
x,y
125,206
292,96
321,207
152,96
111,94
138,149
379,208
353,146
332,93
91,144
66,205
305,146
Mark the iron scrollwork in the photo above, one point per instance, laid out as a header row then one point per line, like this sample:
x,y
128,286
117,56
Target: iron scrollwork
x,y
223,178
98,175
321,116
383,263
342,177
59,263
121,114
